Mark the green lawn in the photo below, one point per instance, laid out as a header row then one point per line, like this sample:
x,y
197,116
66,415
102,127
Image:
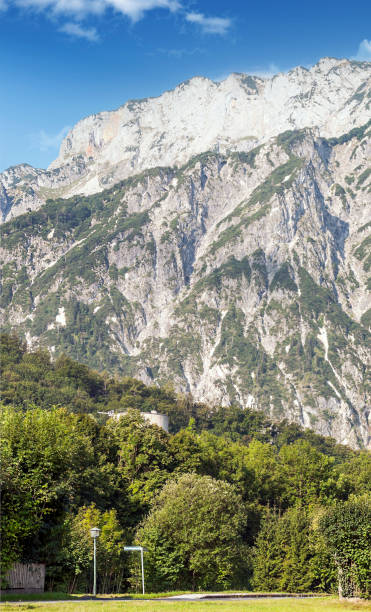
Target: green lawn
x,y
326,604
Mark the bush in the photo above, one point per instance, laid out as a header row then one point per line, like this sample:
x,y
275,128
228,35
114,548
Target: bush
x,y
194,536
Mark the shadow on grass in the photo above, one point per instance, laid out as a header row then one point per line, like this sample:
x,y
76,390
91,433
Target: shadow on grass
x,y
48,596
58,596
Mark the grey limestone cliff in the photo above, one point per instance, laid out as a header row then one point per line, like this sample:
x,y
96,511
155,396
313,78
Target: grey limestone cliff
x,y
216,238
239,276
199,115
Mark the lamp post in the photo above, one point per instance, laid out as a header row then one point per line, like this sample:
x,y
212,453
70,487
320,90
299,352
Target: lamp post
x,y
94,532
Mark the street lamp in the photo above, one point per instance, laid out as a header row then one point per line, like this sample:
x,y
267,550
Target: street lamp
x,y
94,532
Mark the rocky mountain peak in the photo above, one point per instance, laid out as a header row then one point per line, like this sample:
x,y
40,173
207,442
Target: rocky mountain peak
x,y
236,114
215,238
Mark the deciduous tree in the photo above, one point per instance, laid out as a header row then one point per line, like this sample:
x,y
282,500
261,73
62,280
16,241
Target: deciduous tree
x,y
194,536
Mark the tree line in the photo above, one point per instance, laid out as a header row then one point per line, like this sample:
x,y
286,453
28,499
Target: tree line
x,y
227,499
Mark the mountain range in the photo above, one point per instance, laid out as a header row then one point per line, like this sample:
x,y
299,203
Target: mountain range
x,y
216,238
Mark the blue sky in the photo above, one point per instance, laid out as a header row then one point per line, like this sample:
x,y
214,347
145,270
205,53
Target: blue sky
x,y
64,59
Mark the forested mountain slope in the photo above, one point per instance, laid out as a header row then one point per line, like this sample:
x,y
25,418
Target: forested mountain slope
x,y
258,504
30,379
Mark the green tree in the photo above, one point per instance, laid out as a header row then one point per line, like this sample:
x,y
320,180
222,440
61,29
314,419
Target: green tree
x,y
78,550
194,536
322,565
283,553
296,564
267,484
42,457
144,460
346,528
267,554
186,450
306,474
354,475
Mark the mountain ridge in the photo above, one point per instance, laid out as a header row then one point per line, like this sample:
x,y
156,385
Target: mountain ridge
x,y
239,277
236,114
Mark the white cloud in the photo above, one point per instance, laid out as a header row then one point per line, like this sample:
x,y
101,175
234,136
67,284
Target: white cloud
x,y
75,29
46,142
178,53
364,51
263,73
78,10
134,9
210,25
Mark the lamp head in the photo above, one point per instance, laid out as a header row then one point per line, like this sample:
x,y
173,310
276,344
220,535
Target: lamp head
x,y
94,532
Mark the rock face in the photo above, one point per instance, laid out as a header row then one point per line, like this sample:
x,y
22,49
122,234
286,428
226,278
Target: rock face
x,y
199,115
239,276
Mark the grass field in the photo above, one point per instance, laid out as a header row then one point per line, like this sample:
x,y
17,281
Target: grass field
x,y
268,605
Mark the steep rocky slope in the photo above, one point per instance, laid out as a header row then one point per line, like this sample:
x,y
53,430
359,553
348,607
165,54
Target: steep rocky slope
x,y
238,276
199,115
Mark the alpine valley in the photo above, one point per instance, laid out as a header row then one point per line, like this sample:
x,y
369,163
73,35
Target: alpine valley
x,y
216,238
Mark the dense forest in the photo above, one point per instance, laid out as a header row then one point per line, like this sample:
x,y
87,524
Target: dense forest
x,y
227,499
